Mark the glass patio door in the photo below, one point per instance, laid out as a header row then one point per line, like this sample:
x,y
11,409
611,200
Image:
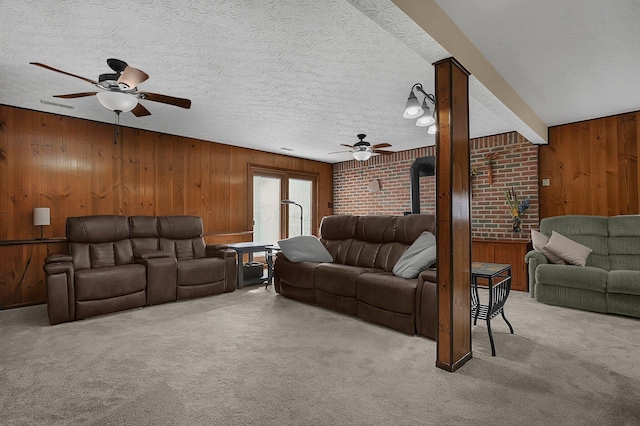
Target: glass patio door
x,y
273,220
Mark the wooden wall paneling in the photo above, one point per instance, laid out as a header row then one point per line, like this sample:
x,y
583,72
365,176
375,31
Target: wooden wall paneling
x,y
22,279
6,123
238,196
593,168
165,174
627,163
220,188
72,166
596,169
101,178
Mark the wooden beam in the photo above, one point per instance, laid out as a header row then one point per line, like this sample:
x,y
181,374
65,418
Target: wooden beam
x,y
453,199
435,22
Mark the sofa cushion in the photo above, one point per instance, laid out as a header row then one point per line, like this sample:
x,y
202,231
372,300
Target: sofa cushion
x,y
298,274
624,282
108,282
567,249
387,291
539,241
102,255
624,242
338,279
418,257
591,231
580,277
304,248
200,271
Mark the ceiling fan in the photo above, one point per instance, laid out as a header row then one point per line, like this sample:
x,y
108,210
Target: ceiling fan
x,y
362,149
119,91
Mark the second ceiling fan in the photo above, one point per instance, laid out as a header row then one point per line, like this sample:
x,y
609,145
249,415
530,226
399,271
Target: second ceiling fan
x,y
362,149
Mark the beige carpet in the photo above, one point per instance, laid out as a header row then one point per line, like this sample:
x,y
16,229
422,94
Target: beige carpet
x,y
255,358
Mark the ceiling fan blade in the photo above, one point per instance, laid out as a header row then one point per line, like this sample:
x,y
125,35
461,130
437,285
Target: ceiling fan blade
x,y
337,152
88,80
383,152
117,65
140,111
132,77
75,95
179,102
348,146
381,145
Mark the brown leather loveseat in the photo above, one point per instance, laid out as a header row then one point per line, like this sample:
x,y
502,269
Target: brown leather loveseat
x,y
360,281
119,262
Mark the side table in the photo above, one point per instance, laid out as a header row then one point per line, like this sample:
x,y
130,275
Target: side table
x,y
249,248
498,278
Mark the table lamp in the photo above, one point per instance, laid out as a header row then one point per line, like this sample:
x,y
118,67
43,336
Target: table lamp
x,y
41,217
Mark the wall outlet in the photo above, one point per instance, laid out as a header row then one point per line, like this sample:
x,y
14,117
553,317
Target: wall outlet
x,y
546,182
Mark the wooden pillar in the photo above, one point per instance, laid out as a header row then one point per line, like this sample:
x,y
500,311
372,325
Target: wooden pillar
x,y
453,214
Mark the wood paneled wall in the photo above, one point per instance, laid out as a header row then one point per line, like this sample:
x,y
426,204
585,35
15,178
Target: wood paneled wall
x,y
592,167
74,167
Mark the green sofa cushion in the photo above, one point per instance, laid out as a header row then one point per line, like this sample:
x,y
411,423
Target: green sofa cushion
x,y
624,282
580,277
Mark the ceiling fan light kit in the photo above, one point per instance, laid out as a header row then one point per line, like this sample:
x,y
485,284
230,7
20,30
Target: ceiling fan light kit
x,y
117,101
423,113
362,154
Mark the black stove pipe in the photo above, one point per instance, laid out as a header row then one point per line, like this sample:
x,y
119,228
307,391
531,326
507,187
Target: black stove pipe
x,y
422,166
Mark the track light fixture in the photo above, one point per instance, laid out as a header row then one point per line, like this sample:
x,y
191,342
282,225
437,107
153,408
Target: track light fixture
x,y
423,113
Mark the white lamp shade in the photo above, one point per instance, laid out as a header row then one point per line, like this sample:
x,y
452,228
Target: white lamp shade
x,y
412,109
41,216
361,155
117,101
432,130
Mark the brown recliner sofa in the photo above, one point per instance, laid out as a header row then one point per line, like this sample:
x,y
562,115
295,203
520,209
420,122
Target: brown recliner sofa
x,y
117,263
360,281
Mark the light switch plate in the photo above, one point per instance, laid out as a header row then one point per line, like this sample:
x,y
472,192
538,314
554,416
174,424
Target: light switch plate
x,y
546,182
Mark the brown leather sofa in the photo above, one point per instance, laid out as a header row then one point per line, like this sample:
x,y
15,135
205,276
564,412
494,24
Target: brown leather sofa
x,y
360,281
118,263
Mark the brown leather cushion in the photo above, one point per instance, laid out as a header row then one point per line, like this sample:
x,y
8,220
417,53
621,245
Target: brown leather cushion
x,y
295,274
102,255
108,282
97,229
200,271
338,279
385,290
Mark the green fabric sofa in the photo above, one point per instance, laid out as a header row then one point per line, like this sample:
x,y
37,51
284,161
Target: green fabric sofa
x,y
610,281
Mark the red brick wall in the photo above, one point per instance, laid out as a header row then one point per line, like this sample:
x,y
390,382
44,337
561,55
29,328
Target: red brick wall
x,y
516,163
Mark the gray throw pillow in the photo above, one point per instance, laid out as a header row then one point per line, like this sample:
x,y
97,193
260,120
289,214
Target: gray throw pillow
x,y
539,241
568,250
304,248
418,257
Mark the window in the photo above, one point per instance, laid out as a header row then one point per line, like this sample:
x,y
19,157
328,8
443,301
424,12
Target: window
x,y
273,221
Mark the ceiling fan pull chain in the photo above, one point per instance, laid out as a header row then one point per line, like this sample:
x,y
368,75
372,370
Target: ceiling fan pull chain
x,y
115,127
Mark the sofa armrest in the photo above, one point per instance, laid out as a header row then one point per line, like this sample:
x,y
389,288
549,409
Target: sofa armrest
x,y
61,304
162,276
58,258
155,254
533,259
427,304
222,251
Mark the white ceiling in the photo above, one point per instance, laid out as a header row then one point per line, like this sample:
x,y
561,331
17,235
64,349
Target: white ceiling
x,y
308,75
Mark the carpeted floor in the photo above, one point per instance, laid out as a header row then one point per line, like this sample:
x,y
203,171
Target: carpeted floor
x,y
255,358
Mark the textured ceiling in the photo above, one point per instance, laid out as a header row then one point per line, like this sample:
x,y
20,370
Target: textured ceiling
x,y
569,60
305,75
